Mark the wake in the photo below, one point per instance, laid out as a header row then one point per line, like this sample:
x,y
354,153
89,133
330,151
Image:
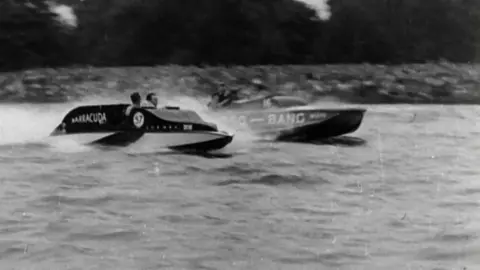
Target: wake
x,y
31,124
28,123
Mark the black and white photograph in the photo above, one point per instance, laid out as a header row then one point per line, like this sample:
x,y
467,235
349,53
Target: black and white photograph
x,y
239,134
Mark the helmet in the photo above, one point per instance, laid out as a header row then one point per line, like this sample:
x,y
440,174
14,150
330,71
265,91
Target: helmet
x,y
135,97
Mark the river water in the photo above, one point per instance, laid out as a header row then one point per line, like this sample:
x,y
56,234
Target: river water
x,y
406,198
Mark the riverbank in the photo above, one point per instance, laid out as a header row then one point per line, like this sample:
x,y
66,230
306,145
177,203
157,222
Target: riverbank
x,y
443,83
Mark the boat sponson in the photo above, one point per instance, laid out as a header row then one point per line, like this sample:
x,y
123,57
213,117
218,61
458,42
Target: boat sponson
x,y
121,138
126,138
205,146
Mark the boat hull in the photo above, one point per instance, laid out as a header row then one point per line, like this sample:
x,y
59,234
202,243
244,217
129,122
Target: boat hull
x,y
142,129
299,124
291,118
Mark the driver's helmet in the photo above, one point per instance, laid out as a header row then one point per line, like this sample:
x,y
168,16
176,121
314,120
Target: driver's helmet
x,y
222,87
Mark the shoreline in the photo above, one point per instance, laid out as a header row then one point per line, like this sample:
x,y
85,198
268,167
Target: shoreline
x,y
443,83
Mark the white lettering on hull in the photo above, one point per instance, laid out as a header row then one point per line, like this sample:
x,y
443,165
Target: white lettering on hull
x,y
100,118
271,119
286,119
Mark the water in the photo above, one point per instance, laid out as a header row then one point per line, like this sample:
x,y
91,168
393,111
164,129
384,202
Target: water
x,y
406,199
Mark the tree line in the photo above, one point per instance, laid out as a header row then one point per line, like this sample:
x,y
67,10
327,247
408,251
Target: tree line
x,y
237,32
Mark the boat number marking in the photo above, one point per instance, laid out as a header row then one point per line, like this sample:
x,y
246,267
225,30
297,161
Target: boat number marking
x,y
267,103
100,118
187,127
138,119
286,118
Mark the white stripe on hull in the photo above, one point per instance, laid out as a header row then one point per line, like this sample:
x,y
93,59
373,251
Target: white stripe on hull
x,y
150,141
158,141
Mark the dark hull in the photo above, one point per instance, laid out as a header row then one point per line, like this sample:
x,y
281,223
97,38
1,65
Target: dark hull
x,y
141,130
344,123
301,124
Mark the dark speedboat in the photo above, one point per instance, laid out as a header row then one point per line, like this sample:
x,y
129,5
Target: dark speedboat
x,y
144,129
289,118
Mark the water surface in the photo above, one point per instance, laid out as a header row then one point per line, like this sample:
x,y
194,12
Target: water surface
x,y
408,198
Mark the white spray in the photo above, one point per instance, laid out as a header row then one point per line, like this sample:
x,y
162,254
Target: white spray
x,y
33,123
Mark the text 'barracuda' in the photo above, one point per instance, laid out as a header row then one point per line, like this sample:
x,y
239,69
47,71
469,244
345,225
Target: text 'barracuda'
x,y
99,118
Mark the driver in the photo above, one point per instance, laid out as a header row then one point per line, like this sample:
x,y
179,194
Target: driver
x,y
136,102
223,97
152,99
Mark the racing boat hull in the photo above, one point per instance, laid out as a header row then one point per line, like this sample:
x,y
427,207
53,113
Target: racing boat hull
x,y
288,119
300,124
142,130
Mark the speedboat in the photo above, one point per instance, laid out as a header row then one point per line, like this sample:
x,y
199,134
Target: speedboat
x,y
144,129
290,118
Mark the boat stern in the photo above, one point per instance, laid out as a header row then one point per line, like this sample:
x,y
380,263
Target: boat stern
x,y
59,130
326,123
341,122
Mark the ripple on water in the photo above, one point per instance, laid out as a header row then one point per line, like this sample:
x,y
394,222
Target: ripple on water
x,y
406,199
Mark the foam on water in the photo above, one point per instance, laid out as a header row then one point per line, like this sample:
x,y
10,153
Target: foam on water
x,y
33,123
28,123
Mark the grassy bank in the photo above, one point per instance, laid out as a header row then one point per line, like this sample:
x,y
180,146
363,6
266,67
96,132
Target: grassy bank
x,y
423,83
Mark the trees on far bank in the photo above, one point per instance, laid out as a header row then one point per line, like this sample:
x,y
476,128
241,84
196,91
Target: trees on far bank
x,y
237,32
